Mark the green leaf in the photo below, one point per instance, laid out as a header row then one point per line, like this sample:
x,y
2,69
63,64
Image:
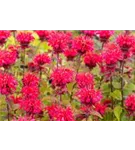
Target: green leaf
x,y
117,112
116,85
129,88
70,87
116,95
96,71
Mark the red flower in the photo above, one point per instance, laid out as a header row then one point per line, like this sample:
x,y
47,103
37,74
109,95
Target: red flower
x,y
24,38
59,41
8,57
8,83
30,92
30,80
112,54
25,118
16,100
83,44
42,59
70,53
104,35
125,41
43,34
61,76
92,59
85,80
90,33
31,106
130,102
100,108
58,113
3,36
89,96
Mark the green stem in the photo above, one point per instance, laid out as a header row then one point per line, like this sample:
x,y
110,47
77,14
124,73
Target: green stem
x,y
122,71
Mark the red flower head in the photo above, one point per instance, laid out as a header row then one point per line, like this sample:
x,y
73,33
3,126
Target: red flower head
x,y
112,54
130,102
30,80
104,35
89,96
8,57
7,83
61,76
85,80
3,36
43,34
31,106
125,41
92,59
30,92
42,59
58,113
15,100
25,118
90,33
100,108
83,44
70,53
24,38
59,41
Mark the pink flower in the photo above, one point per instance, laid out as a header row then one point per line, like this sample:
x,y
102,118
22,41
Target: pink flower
x,y
100,108
130,102
61,76
31,106
30,80
8,83
70,53
58,113
112,54
59,41
125,41
89,96
8,57
4,34
29,92
25,118
24,38
90,33
92,59
104,35
83,44
43,34
85,80
42,59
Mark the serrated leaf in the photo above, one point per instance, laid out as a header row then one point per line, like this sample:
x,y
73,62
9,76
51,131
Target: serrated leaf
x,y
117,112
116,95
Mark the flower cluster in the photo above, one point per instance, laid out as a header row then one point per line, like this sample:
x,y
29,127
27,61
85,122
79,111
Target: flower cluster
x,y
83,44
130,102
8,83
58,113
8,57
4,36
85,80
70,53
89,96
104,35
61,76
24,38
90,33
43,34
91,59
59,41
